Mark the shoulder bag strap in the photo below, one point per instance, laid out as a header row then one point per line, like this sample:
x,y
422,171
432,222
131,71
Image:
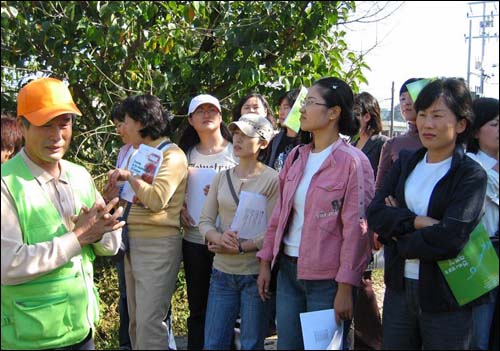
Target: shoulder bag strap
x,y
162,145
126,211
231,187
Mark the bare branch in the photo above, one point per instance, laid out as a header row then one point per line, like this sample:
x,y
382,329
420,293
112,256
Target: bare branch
x,y
109,79
372,16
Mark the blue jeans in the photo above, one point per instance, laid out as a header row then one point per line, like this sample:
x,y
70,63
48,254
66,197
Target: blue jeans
x,y
482,316
407,327
296,296
228,295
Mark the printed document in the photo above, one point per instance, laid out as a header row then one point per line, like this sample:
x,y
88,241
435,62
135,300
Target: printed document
x,y
198,179
320,331
145,163
250,219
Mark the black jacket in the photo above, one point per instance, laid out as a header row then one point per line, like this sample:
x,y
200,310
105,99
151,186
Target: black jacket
x,y
456,201
372,150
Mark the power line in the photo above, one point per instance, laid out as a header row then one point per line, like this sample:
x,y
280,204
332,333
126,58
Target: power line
x,y
486,22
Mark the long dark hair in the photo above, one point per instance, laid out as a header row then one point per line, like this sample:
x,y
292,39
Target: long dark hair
x,y
336,92
190,137
368,104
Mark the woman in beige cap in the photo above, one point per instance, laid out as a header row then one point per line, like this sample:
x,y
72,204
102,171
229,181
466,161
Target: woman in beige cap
x,y
233,287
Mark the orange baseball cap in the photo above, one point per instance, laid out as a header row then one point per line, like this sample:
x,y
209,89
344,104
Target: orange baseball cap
x,y
43,99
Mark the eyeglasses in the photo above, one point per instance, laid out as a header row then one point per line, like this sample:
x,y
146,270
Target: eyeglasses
x,y
210,111
311,102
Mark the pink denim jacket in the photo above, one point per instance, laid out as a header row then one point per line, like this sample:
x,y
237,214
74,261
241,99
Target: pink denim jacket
x,y
335,242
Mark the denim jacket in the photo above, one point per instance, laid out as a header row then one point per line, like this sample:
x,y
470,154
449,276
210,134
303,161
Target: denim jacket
x,y
335,242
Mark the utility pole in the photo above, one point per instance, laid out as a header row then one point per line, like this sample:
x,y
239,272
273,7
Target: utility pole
x,y
486,22
392,110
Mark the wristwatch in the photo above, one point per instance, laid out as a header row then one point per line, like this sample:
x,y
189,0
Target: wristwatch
x,y
240,249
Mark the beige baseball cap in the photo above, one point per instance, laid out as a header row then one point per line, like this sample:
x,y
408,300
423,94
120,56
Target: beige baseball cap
x,y
254,126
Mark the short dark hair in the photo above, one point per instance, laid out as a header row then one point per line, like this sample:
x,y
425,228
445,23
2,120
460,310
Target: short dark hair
x,y
290,96
117,112
147,110
485,110
12,137
367,103
456,97
336,92
404,87
239,105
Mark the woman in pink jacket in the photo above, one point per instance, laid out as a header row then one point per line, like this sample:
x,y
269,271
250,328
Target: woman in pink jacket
x,y
317,234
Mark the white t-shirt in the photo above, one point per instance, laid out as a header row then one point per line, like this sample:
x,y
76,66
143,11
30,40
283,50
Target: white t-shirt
x,y
483,159
219,162
418,190
292,239
490,218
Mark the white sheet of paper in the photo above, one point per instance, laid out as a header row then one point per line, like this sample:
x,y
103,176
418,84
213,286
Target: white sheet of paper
x,y
198,179
250,218
320,331
148,160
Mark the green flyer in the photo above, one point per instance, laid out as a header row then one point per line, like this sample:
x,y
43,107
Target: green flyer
x,y
474,271
292,121
416,87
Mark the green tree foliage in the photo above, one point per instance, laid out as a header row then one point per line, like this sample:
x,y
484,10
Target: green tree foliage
x,y
107,50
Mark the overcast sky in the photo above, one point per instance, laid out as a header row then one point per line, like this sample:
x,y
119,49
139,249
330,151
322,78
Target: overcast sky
x,y
426,39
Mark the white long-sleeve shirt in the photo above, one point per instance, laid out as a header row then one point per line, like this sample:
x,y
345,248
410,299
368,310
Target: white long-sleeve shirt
x,y
21,262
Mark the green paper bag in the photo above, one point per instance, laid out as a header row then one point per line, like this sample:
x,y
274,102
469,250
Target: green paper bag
x,y
292,120
474,271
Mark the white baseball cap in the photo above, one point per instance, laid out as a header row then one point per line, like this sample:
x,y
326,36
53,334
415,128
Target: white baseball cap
x,y
203,99
254,126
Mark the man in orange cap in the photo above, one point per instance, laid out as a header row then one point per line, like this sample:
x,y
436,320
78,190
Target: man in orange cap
x,y
54,222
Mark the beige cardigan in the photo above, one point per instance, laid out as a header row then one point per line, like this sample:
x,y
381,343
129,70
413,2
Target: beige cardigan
x,y
158,215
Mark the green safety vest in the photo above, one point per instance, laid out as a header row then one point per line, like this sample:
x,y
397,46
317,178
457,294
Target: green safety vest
x,y
59,308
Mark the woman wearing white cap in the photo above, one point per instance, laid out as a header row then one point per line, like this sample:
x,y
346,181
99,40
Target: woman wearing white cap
x,y
233,284
207,144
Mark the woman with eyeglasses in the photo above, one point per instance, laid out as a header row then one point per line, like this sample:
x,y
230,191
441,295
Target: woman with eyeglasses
x,y
154,254
317,234
207,144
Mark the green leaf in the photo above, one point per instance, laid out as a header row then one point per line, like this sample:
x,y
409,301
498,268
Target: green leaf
x,y
224,48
